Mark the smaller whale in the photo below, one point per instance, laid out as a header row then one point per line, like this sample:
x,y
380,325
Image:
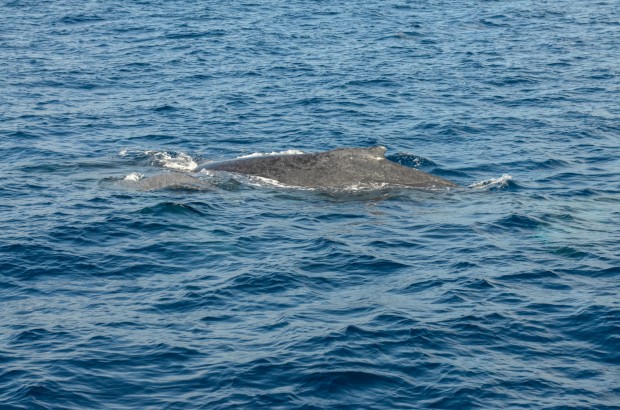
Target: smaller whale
x,y
170,181
335,169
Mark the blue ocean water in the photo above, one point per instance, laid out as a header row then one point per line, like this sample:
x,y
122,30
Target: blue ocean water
x,y
500,294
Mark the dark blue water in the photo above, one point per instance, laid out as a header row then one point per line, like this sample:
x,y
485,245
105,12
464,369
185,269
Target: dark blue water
x,y
500,294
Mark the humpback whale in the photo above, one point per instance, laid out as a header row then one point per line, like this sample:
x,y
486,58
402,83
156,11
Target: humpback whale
x,y
338,168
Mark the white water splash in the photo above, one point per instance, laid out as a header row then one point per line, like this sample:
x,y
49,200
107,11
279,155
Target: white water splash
x,y
363,187
134,176
353,188
264,154
493,183
178,161
261,181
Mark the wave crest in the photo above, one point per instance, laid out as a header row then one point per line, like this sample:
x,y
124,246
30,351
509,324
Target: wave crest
x,y
494,183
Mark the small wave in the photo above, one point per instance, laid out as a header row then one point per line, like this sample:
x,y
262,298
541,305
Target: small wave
x,y
80,18
501,182
519,222
170,208
411,161
265,154
448,173
165,108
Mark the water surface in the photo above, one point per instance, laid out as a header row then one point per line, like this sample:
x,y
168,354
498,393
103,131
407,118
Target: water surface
x,y
502,294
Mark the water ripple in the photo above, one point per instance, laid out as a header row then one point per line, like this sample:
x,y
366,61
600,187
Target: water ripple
x,y
128,280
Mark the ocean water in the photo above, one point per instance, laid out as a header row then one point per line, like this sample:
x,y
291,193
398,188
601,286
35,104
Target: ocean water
x,y
235,293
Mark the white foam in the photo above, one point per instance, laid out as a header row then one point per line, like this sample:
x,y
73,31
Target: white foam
x,y
272,182
134,176
264,154
493,183
363,187
179,161
359,187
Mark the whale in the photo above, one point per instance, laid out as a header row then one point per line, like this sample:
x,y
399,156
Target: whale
x,y
335,169
169,181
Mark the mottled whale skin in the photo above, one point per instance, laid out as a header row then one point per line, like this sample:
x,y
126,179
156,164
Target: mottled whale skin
x,y
338,168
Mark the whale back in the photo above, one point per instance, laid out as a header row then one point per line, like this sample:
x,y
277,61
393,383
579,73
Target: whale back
x,y
338,168
377,152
